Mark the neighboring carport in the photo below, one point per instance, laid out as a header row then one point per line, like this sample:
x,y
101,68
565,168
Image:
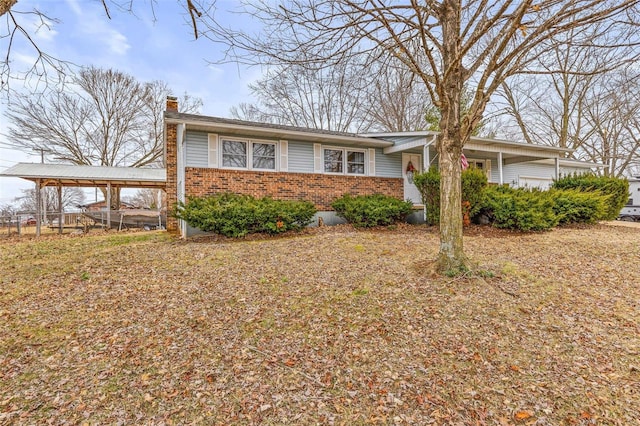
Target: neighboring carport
x,y
62,175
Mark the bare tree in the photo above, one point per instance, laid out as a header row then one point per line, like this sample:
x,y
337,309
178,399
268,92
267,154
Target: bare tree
x,y
148,199
47,69
332,98
588,104
71,198
397,100
613,120
446,44
344,97
109,120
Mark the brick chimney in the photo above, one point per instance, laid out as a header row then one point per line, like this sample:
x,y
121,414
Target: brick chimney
x,y
172,103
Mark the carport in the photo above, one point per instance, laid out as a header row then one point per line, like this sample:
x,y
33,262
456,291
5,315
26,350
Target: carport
x,y
61,175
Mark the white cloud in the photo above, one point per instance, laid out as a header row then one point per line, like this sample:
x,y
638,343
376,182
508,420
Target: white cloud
x,y
92,23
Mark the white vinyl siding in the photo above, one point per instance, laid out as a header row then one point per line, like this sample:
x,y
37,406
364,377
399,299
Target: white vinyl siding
x,y
388,165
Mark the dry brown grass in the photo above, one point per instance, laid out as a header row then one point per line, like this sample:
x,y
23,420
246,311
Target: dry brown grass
x,y
334,326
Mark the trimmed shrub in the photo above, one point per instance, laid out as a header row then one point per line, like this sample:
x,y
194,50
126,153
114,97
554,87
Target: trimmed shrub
x,y
371,210
573,206
519,209
474,182
235,215
428,184
616,189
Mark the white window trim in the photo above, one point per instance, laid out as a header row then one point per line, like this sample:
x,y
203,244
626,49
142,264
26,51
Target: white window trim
x,y
345,151
249,146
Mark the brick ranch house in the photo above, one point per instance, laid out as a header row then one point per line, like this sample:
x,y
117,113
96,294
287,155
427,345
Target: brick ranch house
x,y
207,155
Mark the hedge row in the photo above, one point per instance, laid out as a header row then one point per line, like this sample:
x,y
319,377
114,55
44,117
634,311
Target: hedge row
x,y
572,199
235,215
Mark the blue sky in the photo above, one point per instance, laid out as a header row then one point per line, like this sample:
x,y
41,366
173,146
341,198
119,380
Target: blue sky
x,y
160,49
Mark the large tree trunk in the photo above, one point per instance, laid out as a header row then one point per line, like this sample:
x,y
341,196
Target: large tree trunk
x,y
451,255
450,142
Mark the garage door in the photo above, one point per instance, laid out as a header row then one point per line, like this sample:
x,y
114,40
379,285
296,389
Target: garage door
x,y
534,182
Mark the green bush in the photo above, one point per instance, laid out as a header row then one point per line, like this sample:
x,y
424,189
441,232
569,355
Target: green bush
x,y
519,209
616,189
371,210
573,206
235,215
428,184
474,182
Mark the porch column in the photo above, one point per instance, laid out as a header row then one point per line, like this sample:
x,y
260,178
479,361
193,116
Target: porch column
x,y
60,218
557,160
108,205
425,158
500,176
38,207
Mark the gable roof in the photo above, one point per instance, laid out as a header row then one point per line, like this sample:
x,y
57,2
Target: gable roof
x,y
278,131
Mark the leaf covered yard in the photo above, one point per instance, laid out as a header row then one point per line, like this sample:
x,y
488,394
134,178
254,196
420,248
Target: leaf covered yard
x,y
333,326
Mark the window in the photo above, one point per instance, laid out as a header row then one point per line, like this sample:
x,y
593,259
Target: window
x,y
333,160
234,154
264,156
248,155
337,160
355,162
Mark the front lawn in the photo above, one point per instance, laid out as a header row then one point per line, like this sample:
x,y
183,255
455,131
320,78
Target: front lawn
x,y
334,326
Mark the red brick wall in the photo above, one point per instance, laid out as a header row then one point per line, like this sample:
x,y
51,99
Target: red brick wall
x,y
318,188
172,174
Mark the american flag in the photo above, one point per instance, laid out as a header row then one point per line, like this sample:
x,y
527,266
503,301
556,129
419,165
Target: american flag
x,y
464,162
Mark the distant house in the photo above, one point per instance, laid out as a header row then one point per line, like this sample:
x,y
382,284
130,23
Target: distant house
x,y
207,155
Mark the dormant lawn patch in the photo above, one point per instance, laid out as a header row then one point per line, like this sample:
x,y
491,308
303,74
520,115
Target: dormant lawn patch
x,y
334,326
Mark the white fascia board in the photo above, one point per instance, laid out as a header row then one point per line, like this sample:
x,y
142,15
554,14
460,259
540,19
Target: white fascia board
x,y
488,142
572,163
515,149
425,133
409,145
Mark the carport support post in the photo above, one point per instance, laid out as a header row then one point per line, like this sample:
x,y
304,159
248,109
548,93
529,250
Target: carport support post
x,y
557,168
108,205
500,175
38,207
60,218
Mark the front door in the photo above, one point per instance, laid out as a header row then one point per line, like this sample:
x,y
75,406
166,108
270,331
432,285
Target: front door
x,y
410,190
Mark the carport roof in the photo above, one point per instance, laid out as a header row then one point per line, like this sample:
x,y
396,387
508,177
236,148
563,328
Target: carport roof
x,y
88,176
